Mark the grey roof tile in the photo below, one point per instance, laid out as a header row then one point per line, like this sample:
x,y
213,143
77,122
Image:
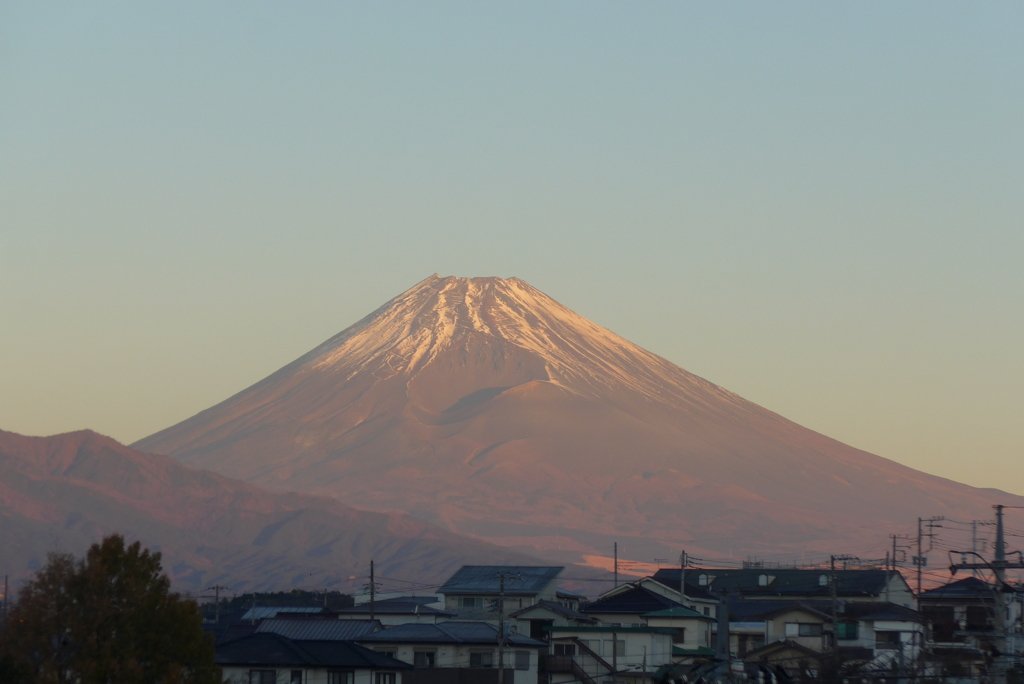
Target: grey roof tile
x,y
483,579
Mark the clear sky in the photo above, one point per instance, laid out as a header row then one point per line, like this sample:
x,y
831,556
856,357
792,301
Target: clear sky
x,y
819,206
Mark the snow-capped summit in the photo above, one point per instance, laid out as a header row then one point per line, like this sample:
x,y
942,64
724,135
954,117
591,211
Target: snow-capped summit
x,y
486,406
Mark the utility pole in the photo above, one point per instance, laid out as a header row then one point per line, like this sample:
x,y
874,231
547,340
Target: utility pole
x,y
834,590
999,565
501,628
919,560
216,602
501,623
615,658
616,552
682,577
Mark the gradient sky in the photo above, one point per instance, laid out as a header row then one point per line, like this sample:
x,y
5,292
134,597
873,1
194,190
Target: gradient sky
x,y
817,206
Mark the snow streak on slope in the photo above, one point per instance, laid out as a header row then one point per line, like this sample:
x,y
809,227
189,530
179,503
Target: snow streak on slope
x,y
411,330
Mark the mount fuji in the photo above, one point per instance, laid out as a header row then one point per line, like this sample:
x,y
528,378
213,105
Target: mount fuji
x,y
486,407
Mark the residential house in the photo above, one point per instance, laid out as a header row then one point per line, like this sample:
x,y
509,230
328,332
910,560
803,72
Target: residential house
x,y
962,619
398,611
881,634
473,591
605,653
536,619
257,613
628,603
789,583
691,631
326,629
268,658
458,652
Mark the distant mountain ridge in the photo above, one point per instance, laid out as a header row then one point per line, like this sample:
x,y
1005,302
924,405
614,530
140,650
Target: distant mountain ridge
x,y
485,406
62,493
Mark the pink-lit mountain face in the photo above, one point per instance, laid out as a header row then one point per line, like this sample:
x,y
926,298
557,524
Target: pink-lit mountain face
x,y
63,493
485,406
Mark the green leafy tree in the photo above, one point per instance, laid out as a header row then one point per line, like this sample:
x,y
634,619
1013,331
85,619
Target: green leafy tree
x,y
107,619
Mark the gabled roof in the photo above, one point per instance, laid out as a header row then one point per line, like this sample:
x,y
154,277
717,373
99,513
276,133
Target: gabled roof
x,y
670,578
678,612
741,610
398,606
261,612
320,630
556,608
637,600
446,633
970,588
273,650
782,582
520,580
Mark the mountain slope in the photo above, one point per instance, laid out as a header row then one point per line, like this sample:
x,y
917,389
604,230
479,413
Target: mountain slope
x,y
484,405
64,492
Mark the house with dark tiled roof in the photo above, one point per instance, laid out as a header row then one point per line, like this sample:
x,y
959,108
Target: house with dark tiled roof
x,y
398,611
326,629
456,652
269,658
628,603
474,590
536,619
962,619
795,584
870,632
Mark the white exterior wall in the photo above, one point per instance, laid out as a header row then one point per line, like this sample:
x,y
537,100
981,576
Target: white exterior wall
x,y
658,648
447,655
240,675
696,632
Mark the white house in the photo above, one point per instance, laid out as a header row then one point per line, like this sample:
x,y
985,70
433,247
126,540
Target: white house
x,y
448,647
269,658
474,591
603,653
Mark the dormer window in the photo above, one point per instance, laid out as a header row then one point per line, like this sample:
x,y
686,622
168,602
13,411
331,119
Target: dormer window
x,y
702,580
762,580
823,580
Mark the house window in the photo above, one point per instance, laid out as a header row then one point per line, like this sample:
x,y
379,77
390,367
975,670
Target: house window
x,y
762,580
847,630
336,677
803,629
424,658
471,602
822,580
262,676
620,648
565,649
296,677
384,678
980,618
887,641
707,610
522,660
702,580
481,659
680,636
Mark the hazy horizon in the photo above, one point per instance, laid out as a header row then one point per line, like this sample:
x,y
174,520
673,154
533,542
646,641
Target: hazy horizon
x,y
818,208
